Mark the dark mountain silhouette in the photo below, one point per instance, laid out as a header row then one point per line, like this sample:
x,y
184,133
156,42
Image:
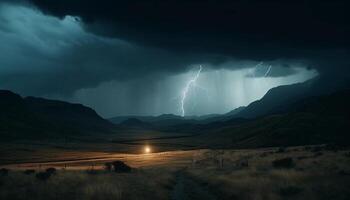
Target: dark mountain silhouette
x,y
279,99
36,117
287,115
200,128
134,123
167,120
73,115
313,120
276,100
159,121
224,117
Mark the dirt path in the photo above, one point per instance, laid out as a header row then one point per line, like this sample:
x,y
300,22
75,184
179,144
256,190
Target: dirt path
x,y
86,160
188,189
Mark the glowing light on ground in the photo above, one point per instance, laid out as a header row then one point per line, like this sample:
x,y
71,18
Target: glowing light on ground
x,y
147,149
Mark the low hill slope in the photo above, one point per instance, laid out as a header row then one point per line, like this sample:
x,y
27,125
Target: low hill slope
x,y
25,118
315,120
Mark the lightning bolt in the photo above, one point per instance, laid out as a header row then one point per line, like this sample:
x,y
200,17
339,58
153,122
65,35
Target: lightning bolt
x,y
268,71
187,88
258,65
255,67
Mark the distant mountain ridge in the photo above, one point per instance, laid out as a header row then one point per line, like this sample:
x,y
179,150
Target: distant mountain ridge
x,y
172,120
323,119
276,100
280,99
282,109
161,120
134,123
32,117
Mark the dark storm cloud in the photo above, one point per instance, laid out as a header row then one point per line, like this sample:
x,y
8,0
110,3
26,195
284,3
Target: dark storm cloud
x,y
48,51
252,29
43,54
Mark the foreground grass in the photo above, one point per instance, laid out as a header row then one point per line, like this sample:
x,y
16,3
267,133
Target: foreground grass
x,y
149,184
313,175
300,173
275,184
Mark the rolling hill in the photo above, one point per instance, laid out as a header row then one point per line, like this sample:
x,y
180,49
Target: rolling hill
x,y
31,117
280,99
314,120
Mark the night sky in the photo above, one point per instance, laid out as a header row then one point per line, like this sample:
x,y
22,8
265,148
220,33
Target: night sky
x,y
136,57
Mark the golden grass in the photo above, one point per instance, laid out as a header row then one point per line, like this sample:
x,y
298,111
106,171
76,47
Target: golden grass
x,y
142,184
315,177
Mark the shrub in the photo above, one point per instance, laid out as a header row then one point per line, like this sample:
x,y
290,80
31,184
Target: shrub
x,y
265,154
307,148
290,191
317,154
302,157
243,163
91,171
51,170
333,147
281,150
108,166
317,149
240,164
283,163
121,167
43,176
29,171
343,173
4,171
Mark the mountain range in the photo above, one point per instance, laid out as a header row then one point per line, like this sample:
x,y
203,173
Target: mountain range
x,y
277,100
295,114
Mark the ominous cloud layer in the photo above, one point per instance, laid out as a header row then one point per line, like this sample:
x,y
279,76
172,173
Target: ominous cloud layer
x,y
249,29
40,51
65,48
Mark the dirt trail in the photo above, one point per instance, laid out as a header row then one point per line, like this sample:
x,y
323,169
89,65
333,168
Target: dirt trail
x,y
188,189
85,160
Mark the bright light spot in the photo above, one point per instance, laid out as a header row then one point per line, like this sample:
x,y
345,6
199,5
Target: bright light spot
x,y
147,149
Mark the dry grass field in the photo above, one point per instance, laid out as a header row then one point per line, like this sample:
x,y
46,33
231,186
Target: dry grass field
x,y
311,172
301,174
